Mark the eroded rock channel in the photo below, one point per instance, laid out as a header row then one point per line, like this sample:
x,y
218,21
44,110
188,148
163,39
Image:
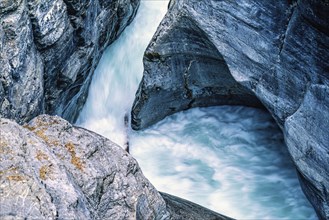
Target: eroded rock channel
x,y
269,55
277,51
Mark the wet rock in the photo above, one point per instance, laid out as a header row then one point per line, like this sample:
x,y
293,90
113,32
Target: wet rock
x,y
49,50
183,74
242,52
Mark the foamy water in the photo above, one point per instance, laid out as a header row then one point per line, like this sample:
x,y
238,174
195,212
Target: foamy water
x,y
118,74
230,159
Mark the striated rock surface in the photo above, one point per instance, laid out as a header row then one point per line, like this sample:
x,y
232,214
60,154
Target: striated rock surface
x,y
238,52
50,169
183,209
49,50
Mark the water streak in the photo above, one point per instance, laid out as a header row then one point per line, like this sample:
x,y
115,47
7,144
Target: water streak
x,y
118,73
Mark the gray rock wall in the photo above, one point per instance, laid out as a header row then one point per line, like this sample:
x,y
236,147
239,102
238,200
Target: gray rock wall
x,y
21,64
238,52
50,169
49,50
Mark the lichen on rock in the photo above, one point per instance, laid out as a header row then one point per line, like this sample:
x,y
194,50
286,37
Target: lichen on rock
x,y
92,181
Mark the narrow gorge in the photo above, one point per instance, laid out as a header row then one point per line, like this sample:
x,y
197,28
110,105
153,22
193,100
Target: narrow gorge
x,y
227,103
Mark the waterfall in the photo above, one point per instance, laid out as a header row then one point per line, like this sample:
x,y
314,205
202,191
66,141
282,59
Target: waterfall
x,y
118,73
230,159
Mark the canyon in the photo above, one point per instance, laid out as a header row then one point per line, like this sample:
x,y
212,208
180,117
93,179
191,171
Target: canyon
x,y
269,55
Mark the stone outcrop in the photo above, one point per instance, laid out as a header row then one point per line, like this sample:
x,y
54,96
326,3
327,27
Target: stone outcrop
x,y
50,169
49,50
238,52
182,209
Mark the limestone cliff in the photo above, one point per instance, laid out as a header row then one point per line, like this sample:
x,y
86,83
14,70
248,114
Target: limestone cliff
x,y
49,50
50,169
246,52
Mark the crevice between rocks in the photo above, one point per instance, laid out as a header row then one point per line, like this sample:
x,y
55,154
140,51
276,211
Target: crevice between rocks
x,y
188,91
288,24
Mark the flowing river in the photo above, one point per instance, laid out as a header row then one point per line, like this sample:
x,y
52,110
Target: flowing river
x,y
230,159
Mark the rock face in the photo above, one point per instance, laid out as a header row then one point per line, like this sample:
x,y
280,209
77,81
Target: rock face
x,y
50,169
49,50
238,52
183,209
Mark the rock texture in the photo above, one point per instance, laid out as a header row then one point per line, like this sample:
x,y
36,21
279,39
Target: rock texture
x,y
49,50
237,52
50,169
183,209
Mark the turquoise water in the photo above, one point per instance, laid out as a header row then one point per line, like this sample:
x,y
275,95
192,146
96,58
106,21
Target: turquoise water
x,y
230,159
116,78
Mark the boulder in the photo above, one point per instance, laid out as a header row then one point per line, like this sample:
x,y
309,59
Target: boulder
x,y
247,52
